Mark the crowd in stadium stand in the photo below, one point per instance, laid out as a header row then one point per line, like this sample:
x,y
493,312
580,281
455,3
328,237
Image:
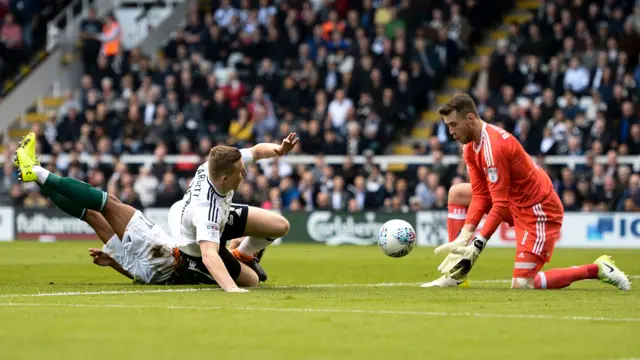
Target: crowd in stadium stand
x,y
351,81
566,83
23,31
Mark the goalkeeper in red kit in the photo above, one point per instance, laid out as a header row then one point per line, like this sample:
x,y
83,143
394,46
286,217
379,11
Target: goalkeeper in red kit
x,y
508,186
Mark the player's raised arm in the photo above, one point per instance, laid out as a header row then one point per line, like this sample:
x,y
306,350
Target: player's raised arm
x,y
268,150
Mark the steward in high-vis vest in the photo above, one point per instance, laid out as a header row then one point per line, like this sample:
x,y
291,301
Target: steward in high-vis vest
x,y
111,37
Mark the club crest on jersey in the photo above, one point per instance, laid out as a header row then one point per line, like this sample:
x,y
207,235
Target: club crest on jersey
x,y
492,173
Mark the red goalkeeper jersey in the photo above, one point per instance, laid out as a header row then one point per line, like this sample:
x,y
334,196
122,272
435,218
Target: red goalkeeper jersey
x,y
504,178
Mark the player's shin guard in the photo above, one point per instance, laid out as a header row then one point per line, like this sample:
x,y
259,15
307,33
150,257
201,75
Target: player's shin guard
x,y
81,193
560,278
64,204
455,220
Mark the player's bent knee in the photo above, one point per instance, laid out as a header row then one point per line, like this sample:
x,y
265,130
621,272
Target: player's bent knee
x,y
283,226
266,224
460,194
522,283
278,226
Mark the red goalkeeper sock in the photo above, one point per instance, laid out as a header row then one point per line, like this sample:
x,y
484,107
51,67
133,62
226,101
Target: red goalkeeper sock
x,y
455,220
559,278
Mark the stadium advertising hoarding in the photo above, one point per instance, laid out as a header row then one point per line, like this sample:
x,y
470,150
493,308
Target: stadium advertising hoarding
x,y
50,225
580,230
338,228
7,232
604,230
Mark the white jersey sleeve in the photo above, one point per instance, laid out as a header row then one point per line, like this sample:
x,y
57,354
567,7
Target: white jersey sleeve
x,y
247,156
207,221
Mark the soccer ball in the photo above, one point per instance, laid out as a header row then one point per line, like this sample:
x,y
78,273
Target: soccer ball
x,y
396,238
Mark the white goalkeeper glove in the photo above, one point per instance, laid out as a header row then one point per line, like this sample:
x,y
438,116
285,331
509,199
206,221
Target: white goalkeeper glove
x,y
469,254
460,242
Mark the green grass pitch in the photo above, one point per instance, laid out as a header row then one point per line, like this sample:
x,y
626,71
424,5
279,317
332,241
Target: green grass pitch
x,y
319,303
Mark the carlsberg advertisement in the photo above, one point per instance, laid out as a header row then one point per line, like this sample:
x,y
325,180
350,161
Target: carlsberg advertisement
x,y
338,228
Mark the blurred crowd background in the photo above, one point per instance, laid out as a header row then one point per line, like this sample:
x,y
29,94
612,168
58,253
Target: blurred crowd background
x,y
23,31
351,78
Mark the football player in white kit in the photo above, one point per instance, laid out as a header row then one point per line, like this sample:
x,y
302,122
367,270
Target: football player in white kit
x,y
208,218
153,262
134,245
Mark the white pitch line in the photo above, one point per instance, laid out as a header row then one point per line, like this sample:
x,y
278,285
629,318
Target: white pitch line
x,y
181,290
109,292
333,311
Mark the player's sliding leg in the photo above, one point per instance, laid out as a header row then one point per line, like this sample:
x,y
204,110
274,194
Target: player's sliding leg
x,y
261,229
94,219
64,204
459,199
115,212
536,238
234,243
97,222
602,269
528,274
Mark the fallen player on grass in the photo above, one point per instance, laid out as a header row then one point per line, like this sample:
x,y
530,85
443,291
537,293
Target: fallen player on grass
x,y
141,250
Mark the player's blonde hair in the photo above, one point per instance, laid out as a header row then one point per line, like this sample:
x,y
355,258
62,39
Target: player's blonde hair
x,y
463,104
222,160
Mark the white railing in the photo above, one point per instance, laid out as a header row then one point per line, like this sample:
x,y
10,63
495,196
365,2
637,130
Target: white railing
x,y
167,3
383,161
54,31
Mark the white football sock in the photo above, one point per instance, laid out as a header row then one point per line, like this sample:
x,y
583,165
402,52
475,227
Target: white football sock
x,y
251,245
41,173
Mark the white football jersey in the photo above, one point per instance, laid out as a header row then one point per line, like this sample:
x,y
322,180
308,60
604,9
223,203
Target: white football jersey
x,y
205,210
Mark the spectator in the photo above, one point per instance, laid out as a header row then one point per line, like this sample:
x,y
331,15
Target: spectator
x,y
576,78
90,29
11,43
